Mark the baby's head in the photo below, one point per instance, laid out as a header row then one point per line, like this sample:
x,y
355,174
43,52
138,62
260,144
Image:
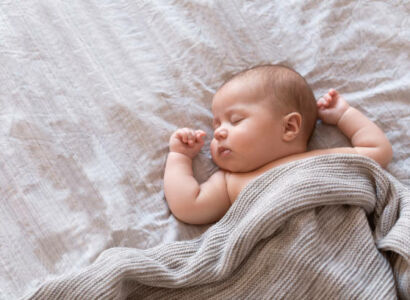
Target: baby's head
x,y
260,115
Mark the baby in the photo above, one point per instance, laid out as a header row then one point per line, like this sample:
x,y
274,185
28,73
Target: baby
x,y
263,117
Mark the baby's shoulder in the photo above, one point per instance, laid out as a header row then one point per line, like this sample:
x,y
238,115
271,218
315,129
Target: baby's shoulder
x,y
311,153
317,152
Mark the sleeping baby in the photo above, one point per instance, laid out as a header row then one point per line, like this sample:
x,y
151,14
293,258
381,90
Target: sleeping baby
x,y
263,117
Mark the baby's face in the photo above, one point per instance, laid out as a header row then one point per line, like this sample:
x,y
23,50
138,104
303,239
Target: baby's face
x,y
247,129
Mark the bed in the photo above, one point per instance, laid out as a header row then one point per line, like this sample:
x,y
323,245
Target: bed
x,y
91,91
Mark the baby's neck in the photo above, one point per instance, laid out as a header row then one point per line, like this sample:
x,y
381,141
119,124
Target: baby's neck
x,y
291,150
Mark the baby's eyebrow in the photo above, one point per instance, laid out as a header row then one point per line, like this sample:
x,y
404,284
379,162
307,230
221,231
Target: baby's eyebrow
x,y
228,113
234,110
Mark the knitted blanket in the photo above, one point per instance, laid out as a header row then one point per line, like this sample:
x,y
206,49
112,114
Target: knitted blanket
x,y
327,227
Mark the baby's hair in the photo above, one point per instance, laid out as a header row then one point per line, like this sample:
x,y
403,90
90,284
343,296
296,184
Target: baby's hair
x,y
288,90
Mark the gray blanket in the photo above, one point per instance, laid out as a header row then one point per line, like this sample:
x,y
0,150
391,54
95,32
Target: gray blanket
x,y
327,227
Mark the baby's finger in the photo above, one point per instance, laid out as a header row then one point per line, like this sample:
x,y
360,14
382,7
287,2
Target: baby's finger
x,y
190,137
325,102
200,134
321,102
184,135
179,135
332,92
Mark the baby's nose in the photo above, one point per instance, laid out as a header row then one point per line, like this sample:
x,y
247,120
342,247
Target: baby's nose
x,y
221,133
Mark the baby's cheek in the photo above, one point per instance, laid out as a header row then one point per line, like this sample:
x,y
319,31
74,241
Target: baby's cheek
x,y
244,137
213,147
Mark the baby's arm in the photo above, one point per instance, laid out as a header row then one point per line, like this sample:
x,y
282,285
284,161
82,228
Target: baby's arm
x,y
190,202
366,137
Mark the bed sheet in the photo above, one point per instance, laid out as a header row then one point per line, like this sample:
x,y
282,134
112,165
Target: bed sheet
x,y
91,91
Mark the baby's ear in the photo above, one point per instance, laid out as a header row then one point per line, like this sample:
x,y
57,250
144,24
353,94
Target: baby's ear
x,y
292,124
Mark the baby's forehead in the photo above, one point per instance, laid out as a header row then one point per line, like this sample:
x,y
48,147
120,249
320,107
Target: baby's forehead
x,y
223,106
244,84
238,89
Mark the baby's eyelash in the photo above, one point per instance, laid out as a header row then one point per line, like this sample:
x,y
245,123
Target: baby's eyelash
x,y
236,120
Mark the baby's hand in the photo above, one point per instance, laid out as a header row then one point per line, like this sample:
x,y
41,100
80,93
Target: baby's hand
x,y
331,107
187,141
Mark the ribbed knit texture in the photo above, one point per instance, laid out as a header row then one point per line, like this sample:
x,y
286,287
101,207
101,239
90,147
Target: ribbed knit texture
x,y
328,227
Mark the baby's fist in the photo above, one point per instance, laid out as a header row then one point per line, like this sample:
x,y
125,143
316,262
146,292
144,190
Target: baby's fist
x,y
187,141
331,107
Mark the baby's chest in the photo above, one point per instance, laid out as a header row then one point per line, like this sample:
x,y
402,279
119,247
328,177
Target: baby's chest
x,y
236,182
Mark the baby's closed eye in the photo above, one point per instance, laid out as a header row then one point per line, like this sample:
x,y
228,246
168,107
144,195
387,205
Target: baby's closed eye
x,y
235,119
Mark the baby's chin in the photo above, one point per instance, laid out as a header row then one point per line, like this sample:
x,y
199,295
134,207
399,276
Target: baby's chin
x,y
232,168
233,164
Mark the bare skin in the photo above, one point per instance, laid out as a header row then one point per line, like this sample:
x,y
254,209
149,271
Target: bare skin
x,y
274,141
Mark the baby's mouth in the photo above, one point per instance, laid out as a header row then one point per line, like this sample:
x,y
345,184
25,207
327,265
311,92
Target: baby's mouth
x,y
224,151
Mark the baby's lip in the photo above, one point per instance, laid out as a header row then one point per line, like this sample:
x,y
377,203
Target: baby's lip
x,y
223,150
